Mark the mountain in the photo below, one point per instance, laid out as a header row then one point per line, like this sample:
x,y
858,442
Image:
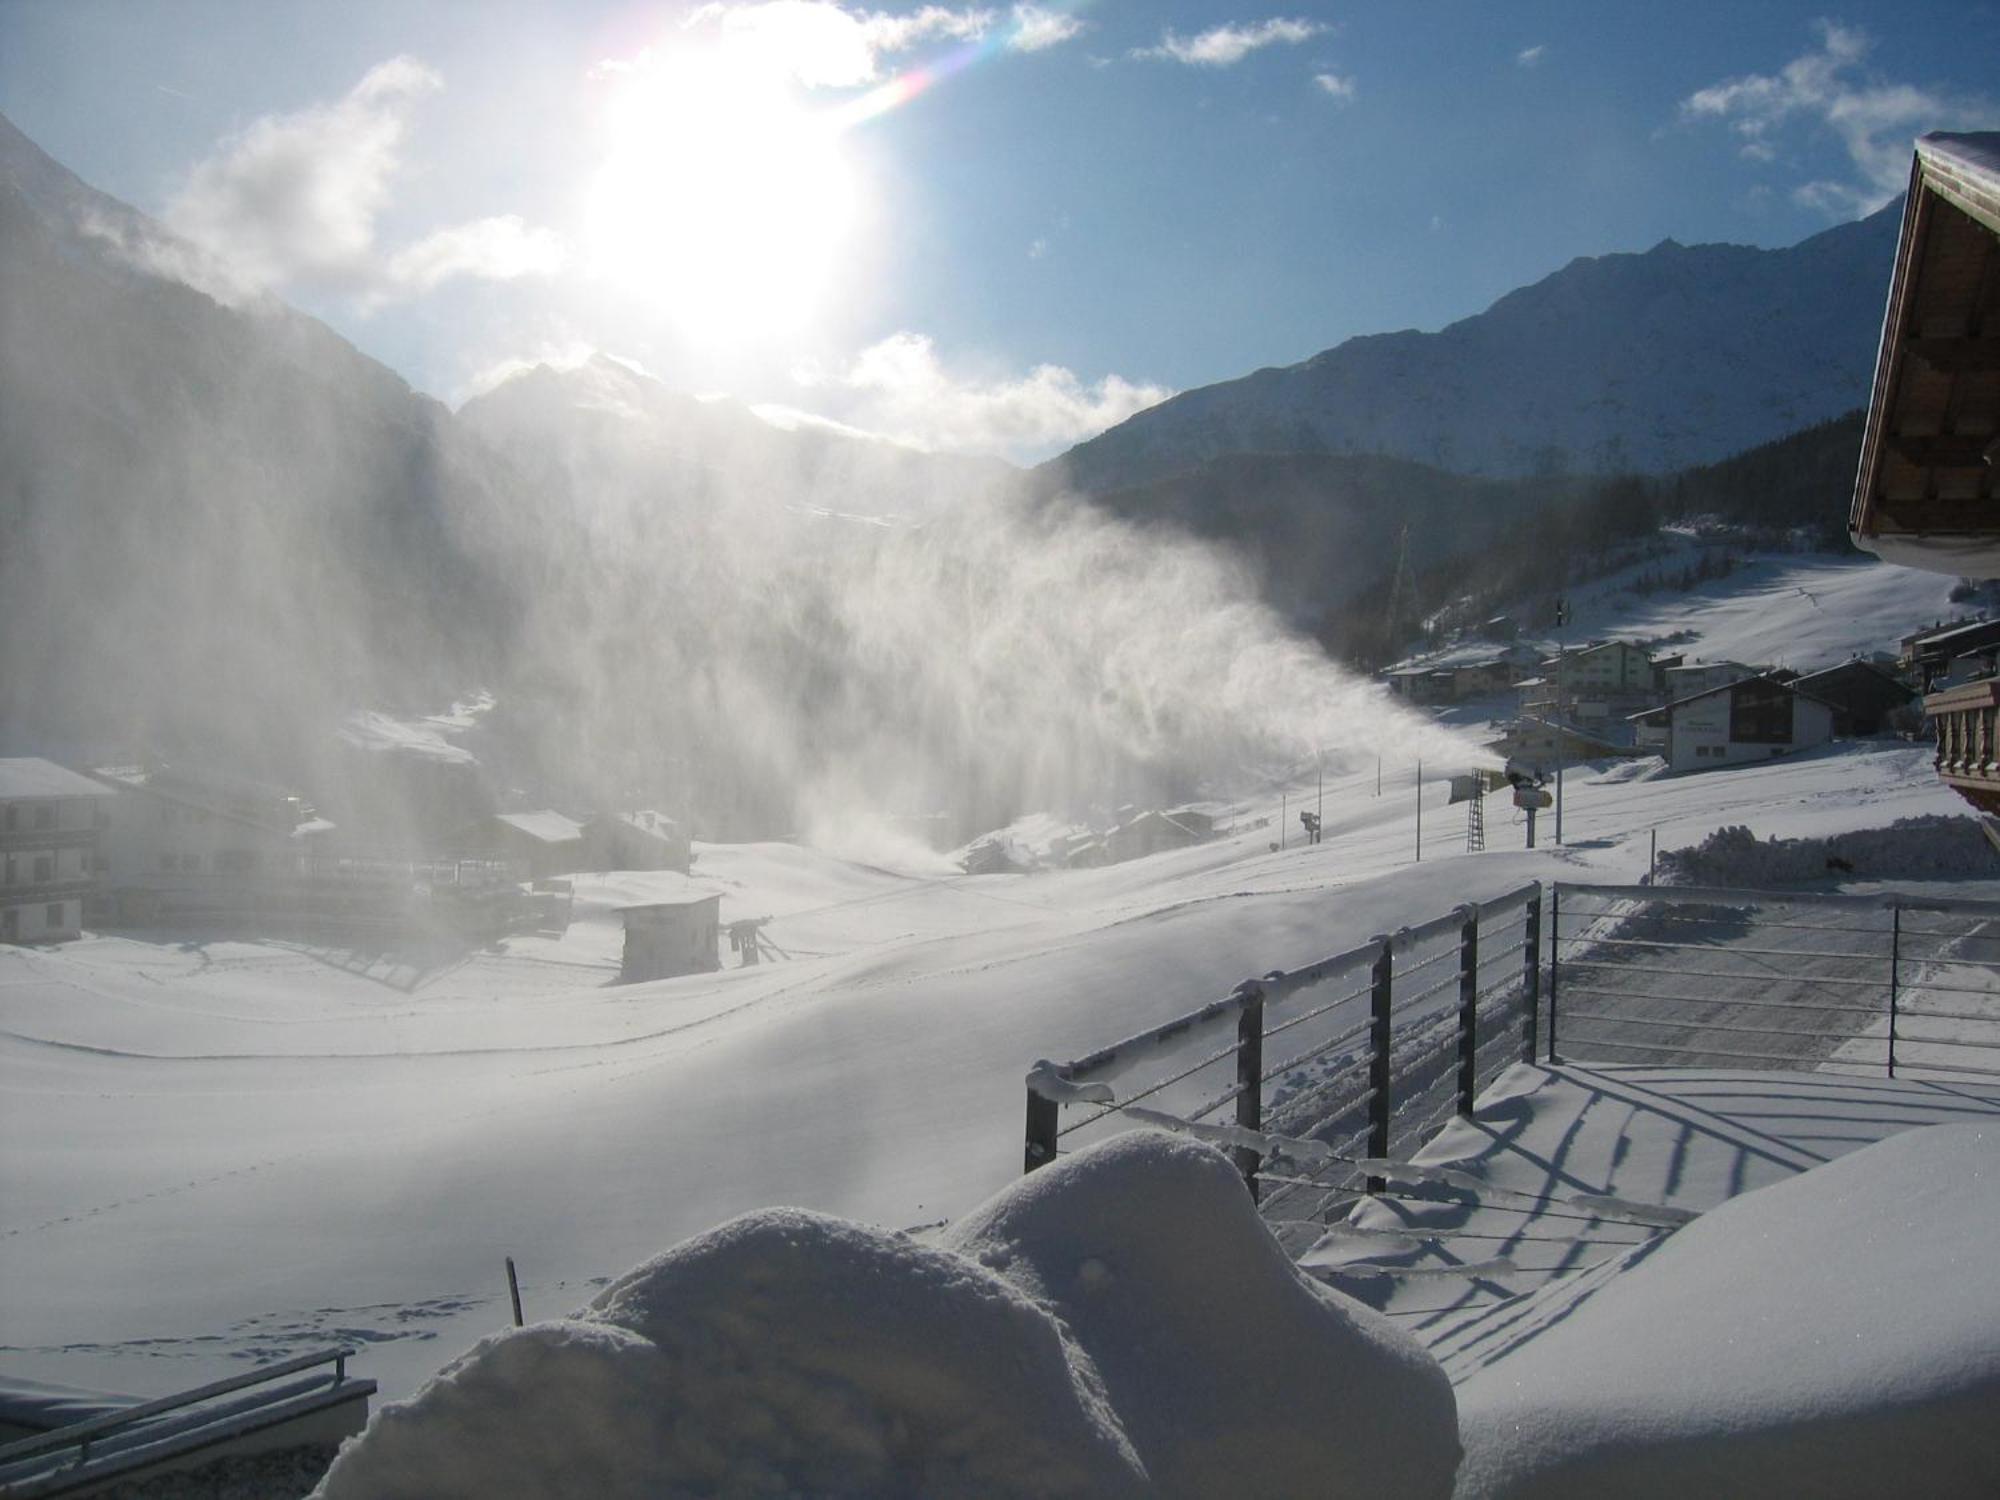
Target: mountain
x,y
224,526
224,531
1317,528
1641,362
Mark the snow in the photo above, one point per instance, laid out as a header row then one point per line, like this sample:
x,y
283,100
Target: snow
x,y
546,826
214,1149
1120,1323
429,737
781,1353
1836,1334
1778,609
30,776
1567,1168
1233,1373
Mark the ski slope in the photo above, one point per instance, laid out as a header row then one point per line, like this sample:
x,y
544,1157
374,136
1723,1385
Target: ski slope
x,y
215,1151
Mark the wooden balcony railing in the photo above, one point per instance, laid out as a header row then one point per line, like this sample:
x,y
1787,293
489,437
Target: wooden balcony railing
x,y
1968,756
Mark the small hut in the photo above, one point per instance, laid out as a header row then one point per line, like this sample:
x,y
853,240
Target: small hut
x,y
678,935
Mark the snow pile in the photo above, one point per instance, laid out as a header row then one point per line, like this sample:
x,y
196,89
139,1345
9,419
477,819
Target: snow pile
x,y
1926,848
1834,1334
1234,1374
1133,1329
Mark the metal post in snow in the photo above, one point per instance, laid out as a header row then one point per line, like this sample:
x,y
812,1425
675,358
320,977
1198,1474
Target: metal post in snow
x,y
1555,960
514,1290
1895,976
1531,976
1420,812
1042,1124
1468,1009
1250,1080
1653,859
1382,993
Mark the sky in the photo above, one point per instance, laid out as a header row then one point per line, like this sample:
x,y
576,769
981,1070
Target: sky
x,y
993,228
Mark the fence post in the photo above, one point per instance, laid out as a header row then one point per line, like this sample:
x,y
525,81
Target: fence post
x,y
1895,974
1041,1149
1531,976
1382,985
1250,1079
1555,959
1468,1009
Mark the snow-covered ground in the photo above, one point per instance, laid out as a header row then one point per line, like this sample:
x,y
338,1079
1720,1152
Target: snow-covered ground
x,y
1802,610
215,1151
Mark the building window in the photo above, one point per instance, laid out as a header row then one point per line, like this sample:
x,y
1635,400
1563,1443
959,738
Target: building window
x,y
45,867
45,815
13,816
55,915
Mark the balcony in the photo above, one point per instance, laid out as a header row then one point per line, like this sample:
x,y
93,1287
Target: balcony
x,y
1966,755
34,840
35,892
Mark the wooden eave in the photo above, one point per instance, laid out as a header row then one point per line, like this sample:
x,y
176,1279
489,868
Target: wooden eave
x,y
1925,491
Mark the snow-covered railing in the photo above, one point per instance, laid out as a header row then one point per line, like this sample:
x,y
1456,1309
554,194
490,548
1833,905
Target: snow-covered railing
x,y
1902,983
275,1406
1364,1054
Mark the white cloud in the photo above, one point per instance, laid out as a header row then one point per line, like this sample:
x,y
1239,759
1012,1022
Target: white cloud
x,y
1338,86
296,198
1037,28
297,195
1874,119
901,389
1529,57
825,45
1222,46
502,248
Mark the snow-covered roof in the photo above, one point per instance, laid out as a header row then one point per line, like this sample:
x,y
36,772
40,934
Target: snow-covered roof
x,y
31,776
1952,634
694,896
1921,490
549,827
1965,168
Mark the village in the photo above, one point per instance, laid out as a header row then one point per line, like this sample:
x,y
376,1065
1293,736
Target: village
x,y
420,850
418,855
1613,698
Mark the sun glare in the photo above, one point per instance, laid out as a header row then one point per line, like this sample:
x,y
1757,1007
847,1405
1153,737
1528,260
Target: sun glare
x,y
720,199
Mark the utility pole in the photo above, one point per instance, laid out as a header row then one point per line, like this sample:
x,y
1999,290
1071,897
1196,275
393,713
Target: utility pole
x,y
1319,809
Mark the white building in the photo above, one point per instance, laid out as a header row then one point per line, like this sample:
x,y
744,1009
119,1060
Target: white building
x,y
1753,719
176,837
50,822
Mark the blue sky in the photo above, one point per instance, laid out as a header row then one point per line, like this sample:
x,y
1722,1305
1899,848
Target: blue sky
x,y
985,227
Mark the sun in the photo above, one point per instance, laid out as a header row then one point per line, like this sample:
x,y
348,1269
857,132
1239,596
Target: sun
x,y
720,199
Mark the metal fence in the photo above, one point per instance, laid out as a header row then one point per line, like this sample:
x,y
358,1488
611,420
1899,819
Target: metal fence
x,y
1366,1053
1898,983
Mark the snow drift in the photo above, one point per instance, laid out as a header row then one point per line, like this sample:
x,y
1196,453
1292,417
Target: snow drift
x,y
1133,1330
1934,847
1834,1334
1234,1373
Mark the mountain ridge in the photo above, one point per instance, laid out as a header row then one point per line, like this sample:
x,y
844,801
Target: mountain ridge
x,y
1648,361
